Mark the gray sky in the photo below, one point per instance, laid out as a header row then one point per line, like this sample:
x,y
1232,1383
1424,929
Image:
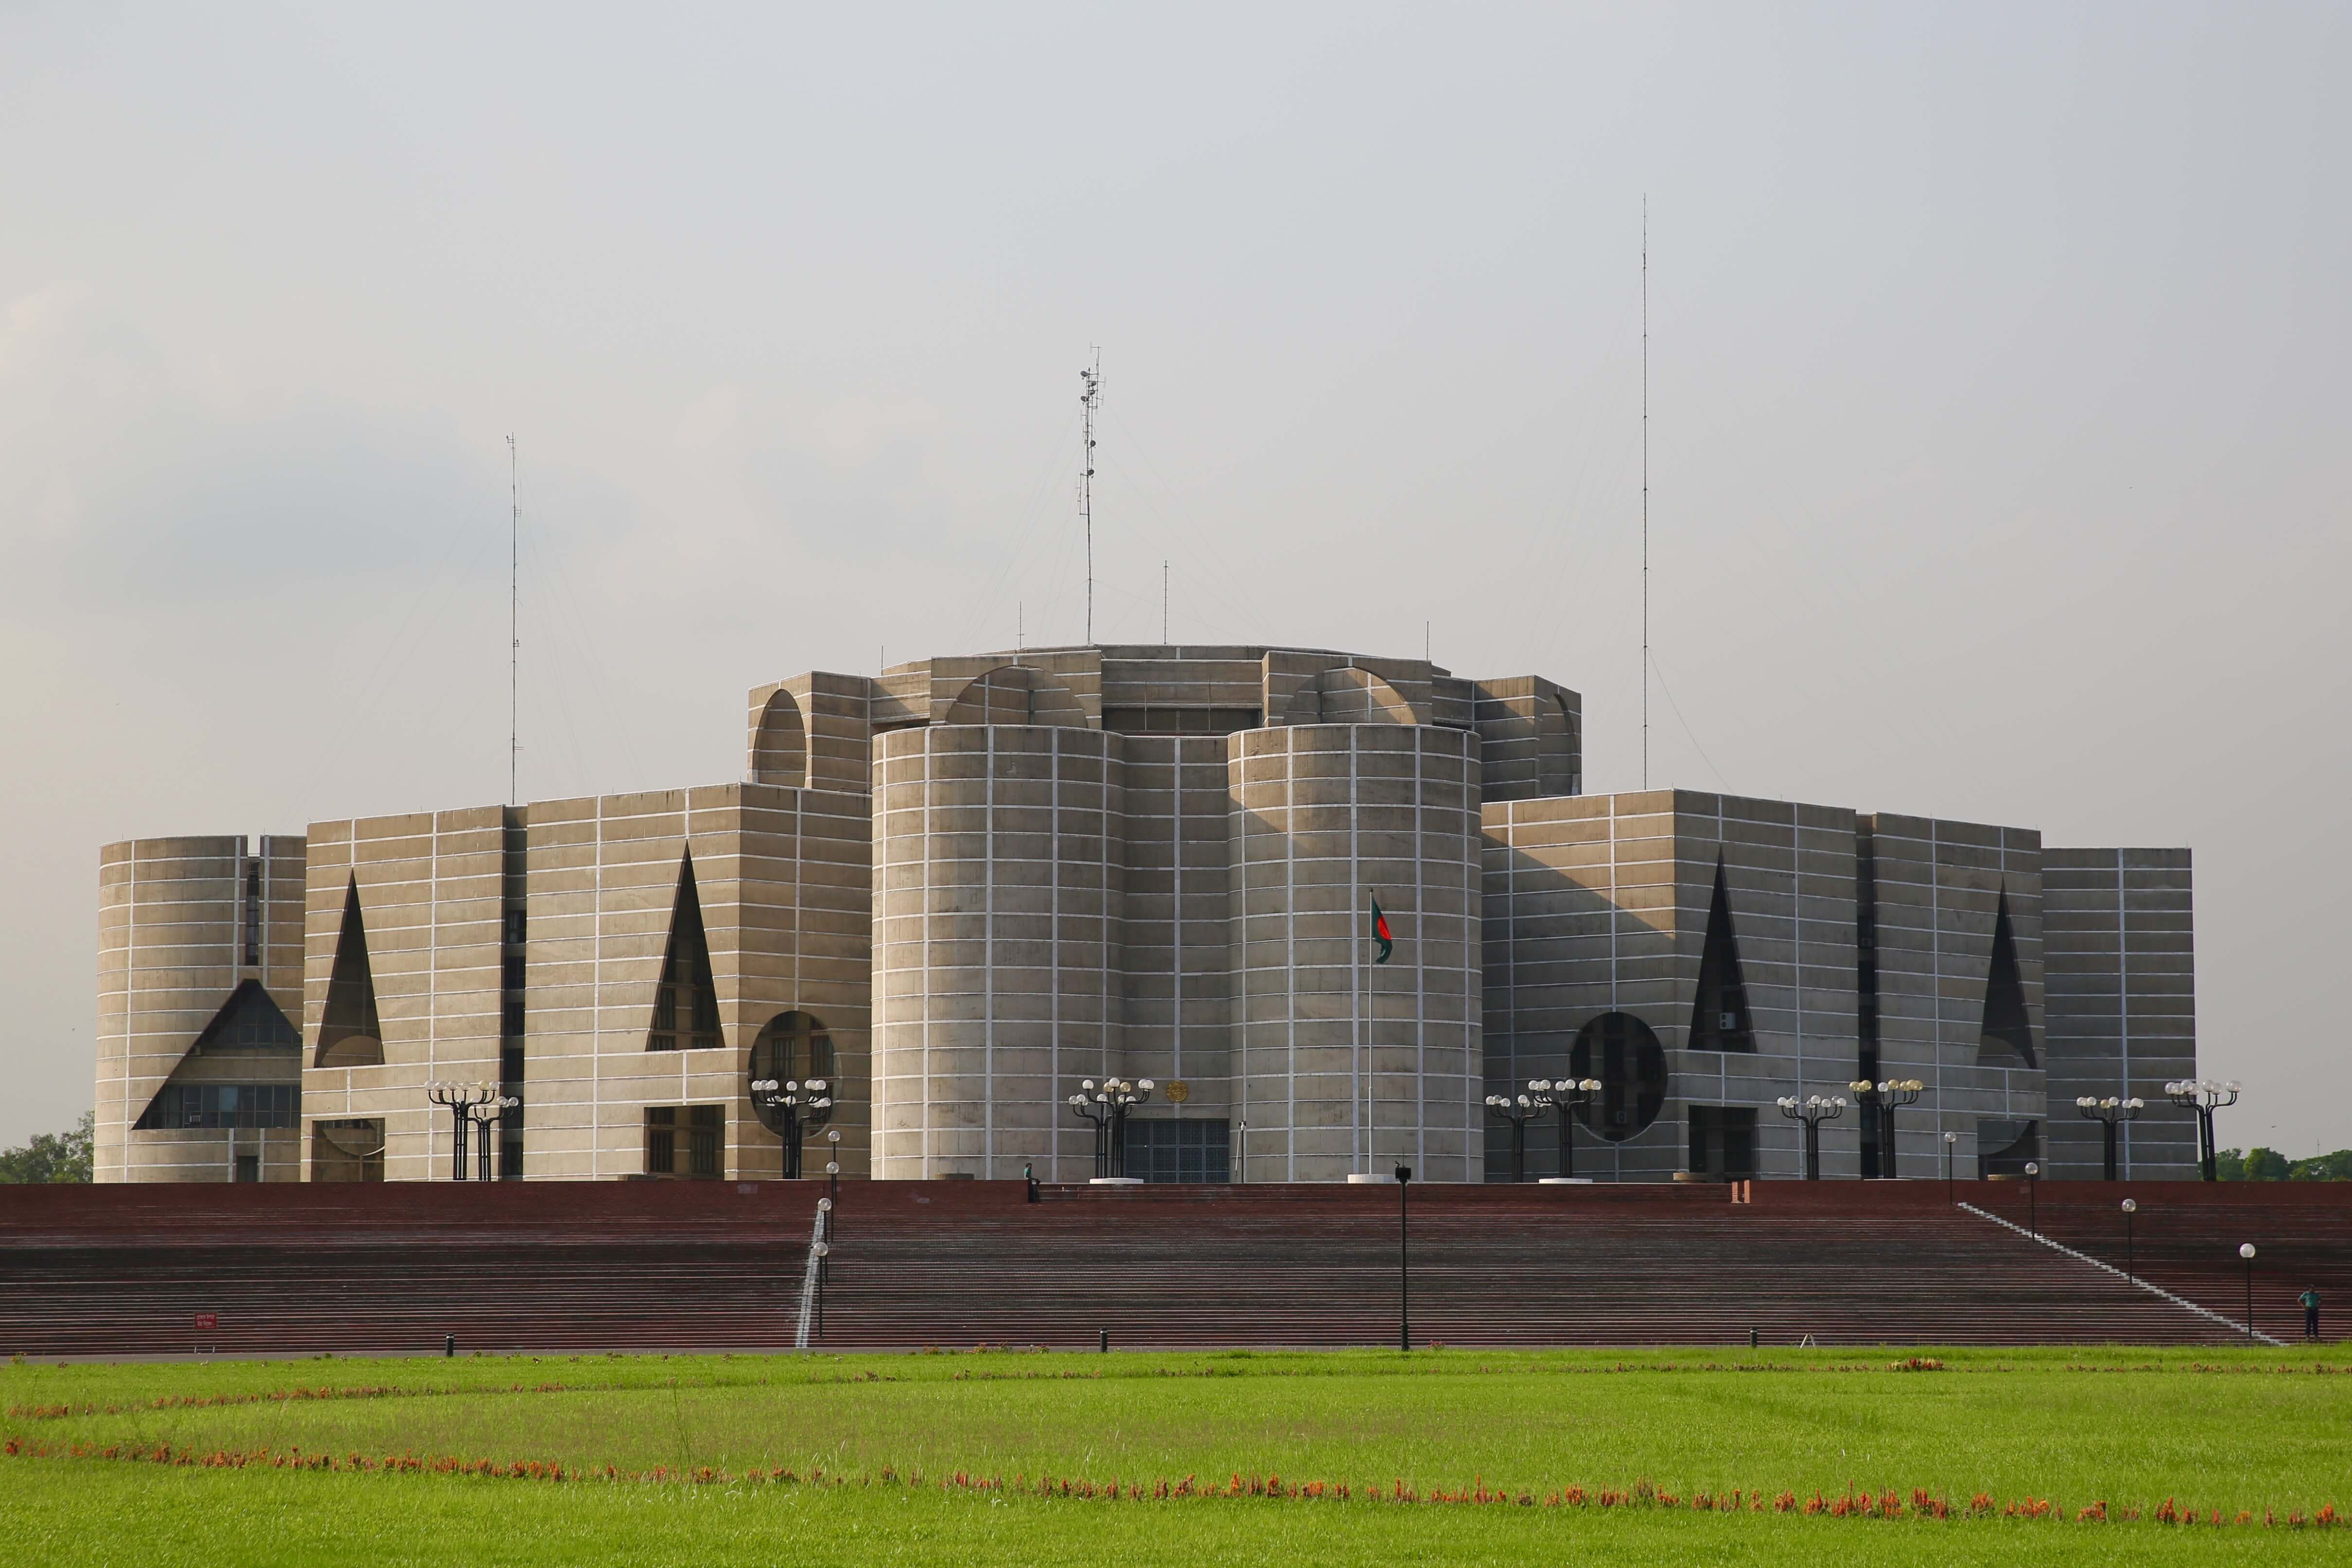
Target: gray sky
x,y
1999,467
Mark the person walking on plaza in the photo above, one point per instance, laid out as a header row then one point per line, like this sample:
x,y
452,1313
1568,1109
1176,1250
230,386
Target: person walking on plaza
x,y
2310,1300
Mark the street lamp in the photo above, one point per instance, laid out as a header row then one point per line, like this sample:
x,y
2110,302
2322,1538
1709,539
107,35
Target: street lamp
x,y
1951,1145
1889,1095
484,1115
832,1174
2246,1251
1404,1263
794,1108
1566,1096
1107,1105
821,1250
1812,1110
459,1098
2032,1198
2110,1114
2131,1207
1518,1113
2203,1096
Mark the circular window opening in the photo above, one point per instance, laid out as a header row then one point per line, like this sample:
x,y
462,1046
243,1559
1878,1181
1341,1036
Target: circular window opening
x,y
1621,1052
794,1048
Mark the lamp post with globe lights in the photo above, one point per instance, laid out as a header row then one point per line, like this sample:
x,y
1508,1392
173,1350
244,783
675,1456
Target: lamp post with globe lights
x,y
2204,1097
486,1114
1951,1147
2032,1196
1566,1096
2131,1207
1812,1110
1107,1105
1518,1110
2111,1114
792,1108
461,1098
1889,1095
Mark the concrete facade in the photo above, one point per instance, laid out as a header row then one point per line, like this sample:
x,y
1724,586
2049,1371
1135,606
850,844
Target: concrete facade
x,y
2120,978
960,887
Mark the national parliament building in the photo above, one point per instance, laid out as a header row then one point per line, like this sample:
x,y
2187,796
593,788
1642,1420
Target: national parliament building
x,y
958,890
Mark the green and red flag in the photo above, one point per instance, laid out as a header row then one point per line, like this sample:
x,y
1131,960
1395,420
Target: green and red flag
x,y
1381,932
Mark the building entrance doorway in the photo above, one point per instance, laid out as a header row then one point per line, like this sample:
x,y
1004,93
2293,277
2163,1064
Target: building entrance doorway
x,y
1723,1142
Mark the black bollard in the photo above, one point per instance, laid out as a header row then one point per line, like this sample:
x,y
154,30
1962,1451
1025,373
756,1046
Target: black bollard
x,y
1105,1346
449,1345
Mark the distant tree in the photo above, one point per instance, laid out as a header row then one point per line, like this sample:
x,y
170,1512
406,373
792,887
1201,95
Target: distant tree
x,y
2256,1164
51,1156
2336,1167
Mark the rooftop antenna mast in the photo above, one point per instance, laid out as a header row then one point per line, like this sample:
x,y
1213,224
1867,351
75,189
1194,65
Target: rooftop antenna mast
x,y
514,618
1645,492
1089,399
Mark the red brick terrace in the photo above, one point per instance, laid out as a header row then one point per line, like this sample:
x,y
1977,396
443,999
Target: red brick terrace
x,y
124,1271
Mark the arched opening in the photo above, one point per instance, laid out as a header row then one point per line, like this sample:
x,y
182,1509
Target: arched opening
x,y
1623,1053
1561,752
1346,695
794,1048
779,745
1017,694
347,1151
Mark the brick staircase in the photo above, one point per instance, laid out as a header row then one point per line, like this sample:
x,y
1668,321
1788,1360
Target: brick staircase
x,y
567,1267
2186,1235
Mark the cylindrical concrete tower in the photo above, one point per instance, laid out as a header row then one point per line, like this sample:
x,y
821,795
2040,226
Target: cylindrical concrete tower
x,y
183,924
997,898
1346,1065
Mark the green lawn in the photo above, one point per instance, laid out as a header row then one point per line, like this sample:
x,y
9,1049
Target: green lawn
x,y
2260,1431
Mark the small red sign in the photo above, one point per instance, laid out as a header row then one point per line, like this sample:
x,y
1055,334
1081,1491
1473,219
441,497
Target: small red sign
x,y
208,1319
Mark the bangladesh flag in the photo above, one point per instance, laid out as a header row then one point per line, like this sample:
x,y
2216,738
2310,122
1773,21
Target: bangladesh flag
x,y
1381,932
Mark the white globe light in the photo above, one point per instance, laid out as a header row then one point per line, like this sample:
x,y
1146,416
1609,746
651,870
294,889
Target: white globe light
x,y
2246,1251
2131,1205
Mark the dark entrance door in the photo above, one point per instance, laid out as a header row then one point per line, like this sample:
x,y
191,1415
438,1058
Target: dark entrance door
x,y
1723,1142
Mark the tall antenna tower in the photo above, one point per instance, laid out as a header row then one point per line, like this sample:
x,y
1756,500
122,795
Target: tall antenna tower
x,y
514,618
1089,399
1645,492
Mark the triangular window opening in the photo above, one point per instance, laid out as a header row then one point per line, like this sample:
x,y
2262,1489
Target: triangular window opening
x,y
1719,1016
249,1021
349,1035
2007,1038
686,1003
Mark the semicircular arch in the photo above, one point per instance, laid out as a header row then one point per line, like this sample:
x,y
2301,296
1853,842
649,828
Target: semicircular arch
x,y
779,745
1347,694
1017,694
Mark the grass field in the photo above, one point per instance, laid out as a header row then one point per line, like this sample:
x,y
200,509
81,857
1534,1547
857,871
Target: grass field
x,y
1695,1456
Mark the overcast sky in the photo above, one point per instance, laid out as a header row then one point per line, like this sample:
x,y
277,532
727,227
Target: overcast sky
x,y
1999,407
